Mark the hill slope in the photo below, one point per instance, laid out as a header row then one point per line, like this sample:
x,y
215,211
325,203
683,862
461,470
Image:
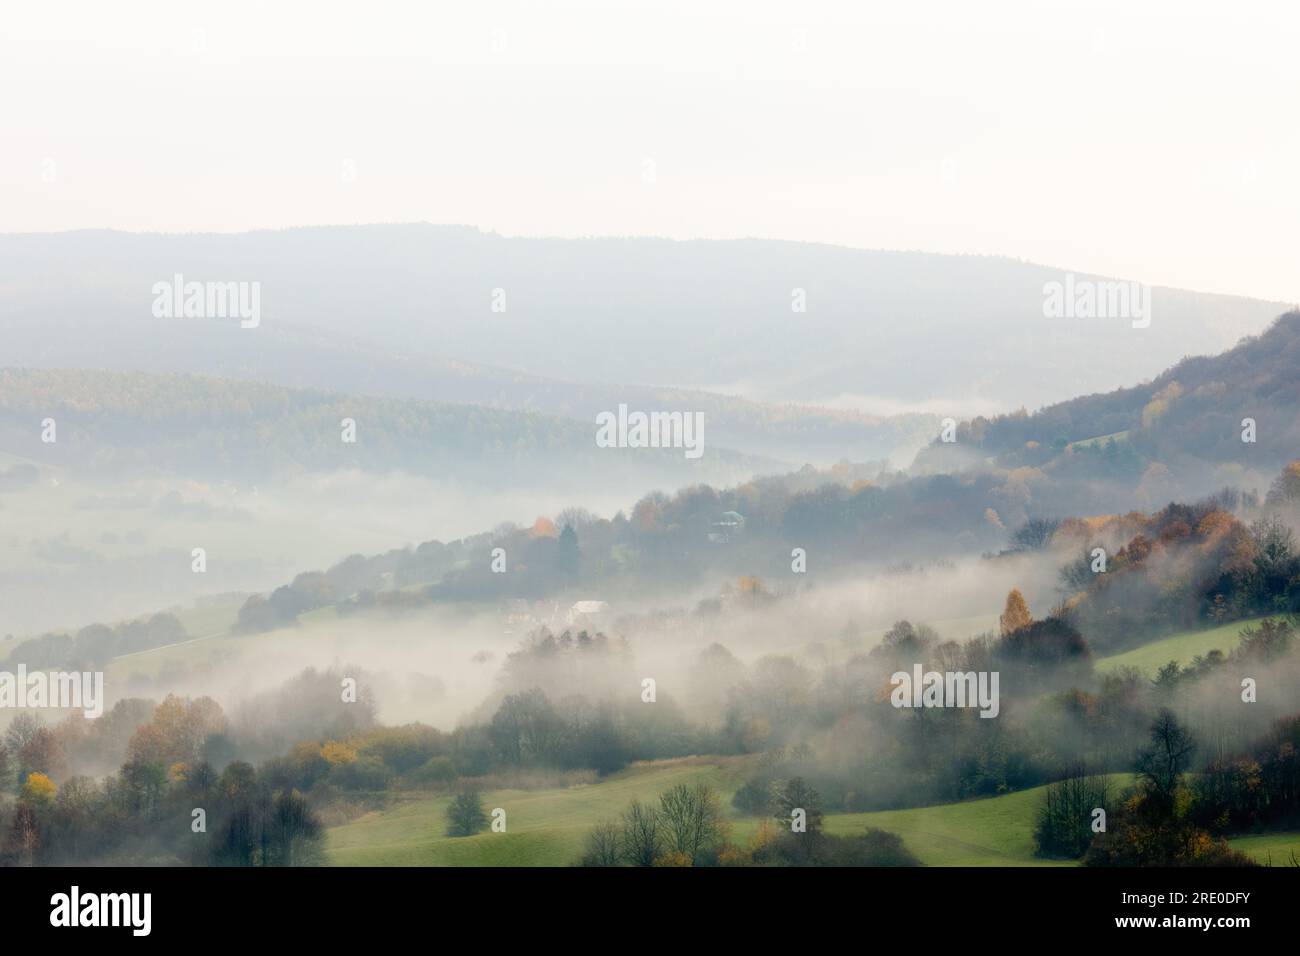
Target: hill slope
x,y
1190,421
547,827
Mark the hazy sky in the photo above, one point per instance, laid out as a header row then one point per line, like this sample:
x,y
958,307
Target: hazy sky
x,y
1151,141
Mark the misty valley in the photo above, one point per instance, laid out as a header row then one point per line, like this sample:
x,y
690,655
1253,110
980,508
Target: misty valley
x,y
560,455
1057,638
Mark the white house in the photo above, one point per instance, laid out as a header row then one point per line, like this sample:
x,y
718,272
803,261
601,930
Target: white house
x,y
586,611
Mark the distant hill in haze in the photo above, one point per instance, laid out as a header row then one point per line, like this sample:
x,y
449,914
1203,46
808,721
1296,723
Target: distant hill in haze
x,y
116,424
407,311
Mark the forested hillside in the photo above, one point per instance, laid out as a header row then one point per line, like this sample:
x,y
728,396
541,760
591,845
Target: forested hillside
x,y
1207,422
113,423
1192,410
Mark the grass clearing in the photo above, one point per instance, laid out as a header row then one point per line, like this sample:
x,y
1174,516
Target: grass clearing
x,y
1100,439
1149,658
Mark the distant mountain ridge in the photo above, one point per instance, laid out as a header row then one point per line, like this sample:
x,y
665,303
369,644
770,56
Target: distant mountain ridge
x,y
408,311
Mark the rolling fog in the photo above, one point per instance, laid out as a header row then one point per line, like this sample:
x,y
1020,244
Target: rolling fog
x,y
443,665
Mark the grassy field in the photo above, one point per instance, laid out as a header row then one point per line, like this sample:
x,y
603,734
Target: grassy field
x,y
209,627
996,831
1178,647
201,622
1273,849
1100,439
547,827
544,827
211,619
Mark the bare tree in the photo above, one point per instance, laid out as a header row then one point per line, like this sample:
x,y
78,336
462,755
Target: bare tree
x,y
642,834
1064,827
1034,534
692,818
602,847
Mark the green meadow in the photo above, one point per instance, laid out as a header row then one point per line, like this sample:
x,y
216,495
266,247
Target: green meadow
x,y
544,827
547,827
1150,657
1270,849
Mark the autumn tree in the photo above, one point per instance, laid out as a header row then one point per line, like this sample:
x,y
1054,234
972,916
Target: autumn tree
x,y
1016,615
751,588
543,527
176,731
38,789
675,858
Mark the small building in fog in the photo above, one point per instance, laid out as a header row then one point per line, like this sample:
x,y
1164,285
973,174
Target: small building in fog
x,y
586,612
728,525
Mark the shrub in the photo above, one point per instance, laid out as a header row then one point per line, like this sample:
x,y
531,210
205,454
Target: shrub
x,y
872,848
436,770
754,799
674,858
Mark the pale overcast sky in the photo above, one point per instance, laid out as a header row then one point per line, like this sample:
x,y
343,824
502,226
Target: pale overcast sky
x,y
1152,141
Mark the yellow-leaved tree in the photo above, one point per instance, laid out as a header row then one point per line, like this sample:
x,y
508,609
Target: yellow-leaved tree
x,y
39,788
1016,614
